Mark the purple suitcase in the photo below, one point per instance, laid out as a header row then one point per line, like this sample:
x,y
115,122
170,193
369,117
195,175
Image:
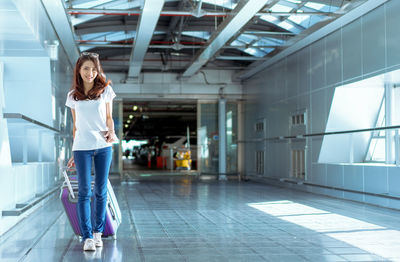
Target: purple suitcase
x,y
69,198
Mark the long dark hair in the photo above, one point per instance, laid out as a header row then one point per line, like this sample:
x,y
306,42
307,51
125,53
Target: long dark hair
x,y
100,82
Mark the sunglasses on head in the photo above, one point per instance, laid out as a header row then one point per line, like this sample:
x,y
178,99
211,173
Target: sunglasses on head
x,y
95,55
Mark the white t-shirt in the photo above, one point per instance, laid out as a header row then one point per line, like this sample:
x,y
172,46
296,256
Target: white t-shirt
x,y
90,120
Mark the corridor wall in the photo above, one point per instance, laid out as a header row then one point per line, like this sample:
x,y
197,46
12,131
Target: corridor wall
x,y
305,81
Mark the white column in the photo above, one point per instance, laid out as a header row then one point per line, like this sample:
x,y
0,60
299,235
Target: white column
x,y
241,145
222,138
388,122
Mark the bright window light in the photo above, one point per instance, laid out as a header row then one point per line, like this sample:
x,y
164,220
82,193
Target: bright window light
x,y
367,236
247,38
286,25
236,43
377,146
348,113
280,8
269,18
294,1
132,143
203,35
254,52
267,50
53,103
315,5
91,4
377,149
298,19
225,3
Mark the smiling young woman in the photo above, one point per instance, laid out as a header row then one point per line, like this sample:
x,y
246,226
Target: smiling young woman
x,y
90,100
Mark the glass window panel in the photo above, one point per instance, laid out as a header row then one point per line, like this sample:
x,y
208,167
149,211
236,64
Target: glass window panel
x,y
208,136
377,149
231,137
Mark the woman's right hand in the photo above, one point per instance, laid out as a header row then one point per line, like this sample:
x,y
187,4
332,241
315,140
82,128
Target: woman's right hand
x,y
71,162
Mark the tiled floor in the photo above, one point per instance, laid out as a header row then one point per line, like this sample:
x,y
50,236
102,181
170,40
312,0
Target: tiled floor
x,y
178,218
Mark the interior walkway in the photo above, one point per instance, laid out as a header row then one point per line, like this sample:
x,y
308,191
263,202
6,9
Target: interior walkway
x,y
179,218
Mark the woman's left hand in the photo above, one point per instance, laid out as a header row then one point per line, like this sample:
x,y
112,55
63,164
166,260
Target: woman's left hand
x,y
110,136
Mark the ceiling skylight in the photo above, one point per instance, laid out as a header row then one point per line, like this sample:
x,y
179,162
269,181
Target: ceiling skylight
x,y
286,25
224,3
197,34
91,4
269,18
280,8
298,19
315,5
294,1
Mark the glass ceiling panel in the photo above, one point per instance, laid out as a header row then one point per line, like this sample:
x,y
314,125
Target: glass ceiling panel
x,y
280,8
269,41
121,4
316,6
294,1
91,4
112,36
269,18
267,50
253,51
313,20
247,38
299,19
224,3
203,35
92,36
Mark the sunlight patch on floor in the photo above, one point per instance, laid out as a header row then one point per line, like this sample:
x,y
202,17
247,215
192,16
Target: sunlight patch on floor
x,y
367,236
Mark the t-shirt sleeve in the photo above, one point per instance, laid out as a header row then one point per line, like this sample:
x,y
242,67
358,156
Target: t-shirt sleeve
x,y
109,94
70,101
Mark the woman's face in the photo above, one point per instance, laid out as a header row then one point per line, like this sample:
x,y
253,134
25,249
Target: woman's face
x,y
88,72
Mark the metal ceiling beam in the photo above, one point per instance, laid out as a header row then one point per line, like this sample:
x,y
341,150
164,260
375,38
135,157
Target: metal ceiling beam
x,y
90,11
328,29
244,12
174,21
145,29
96,28
59,19
175,47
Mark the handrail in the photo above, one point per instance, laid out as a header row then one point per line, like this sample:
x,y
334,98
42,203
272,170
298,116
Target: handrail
x,y
321,134
28,119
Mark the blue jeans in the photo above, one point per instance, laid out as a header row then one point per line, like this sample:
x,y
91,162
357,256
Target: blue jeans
x,y
83,161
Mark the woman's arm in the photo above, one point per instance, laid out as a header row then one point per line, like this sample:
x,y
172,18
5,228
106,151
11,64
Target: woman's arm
x,y
71,162
73,122
110,135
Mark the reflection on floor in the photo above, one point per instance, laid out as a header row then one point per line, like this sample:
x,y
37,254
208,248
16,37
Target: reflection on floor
x,y
181,218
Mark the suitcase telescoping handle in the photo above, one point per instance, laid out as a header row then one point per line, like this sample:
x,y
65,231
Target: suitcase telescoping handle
x,y
68,182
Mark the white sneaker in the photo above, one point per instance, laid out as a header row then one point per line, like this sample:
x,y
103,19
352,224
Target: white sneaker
x,y
97,239
89,245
